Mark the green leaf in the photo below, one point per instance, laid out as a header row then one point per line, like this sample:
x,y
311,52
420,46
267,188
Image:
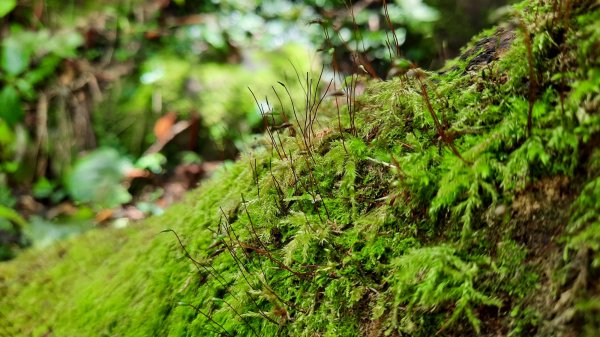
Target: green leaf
x,y
96,179
15,56
43,188
11,215
64,44
11,110
6,6
43,70
153,162
7,137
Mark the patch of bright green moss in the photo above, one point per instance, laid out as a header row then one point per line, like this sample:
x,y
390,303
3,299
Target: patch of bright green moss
x,y
380,232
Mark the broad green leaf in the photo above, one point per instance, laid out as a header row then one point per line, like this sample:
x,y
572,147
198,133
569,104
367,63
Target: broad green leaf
x,y
153,162
7,136
11,110
6,6
97,178
64,44
15,56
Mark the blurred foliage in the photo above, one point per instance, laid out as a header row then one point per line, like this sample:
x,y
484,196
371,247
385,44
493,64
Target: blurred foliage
x,y
7,6
426,32
11,223
95,179
28,58
90,91
44,232
363,28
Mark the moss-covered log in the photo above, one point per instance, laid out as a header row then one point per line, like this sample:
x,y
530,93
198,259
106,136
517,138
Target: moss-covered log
x,y
430,209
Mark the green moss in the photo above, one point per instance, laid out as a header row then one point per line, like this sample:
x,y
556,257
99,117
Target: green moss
x,y
384,232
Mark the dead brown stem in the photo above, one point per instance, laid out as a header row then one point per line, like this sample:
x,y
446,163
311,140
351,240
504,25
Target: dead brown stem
x,y
436,121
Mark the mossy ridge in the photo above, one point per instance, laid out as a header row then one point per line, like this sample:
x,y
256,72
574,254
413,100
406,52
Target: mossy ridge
x,y
383,233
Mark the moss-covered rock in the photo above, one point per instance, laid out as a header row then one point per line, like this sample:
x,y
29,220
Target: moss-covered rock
x,y
456,203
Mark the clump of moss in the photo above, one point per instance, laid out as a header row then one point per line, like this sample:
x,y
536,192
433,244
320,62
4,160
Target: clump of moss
x,y
377,229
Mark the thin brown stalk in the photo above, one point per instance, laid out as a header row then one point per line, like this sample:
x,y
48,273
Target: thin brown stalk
x,y
305,186
280,194
264,250
265,283
307,110
255,176
266,125
302,131
214,274
316,189
273,128
197,309
532,77
391,28
436,121
242,267
350,89
316,103
339,116
286,120
196,263
567,14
